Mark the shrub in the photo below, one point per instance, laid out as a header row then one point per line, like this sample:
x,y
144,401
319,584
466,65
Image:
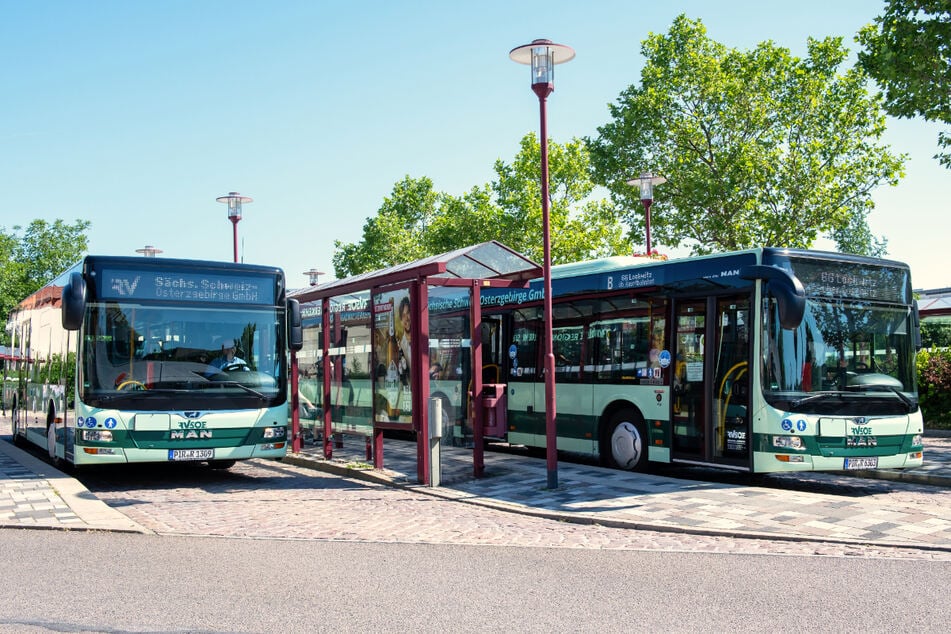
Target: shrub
x,y
934,387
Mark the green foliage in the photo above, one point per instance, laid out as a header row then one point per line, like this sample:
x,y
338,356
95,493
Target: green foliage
x,y
33,256
935,333
758,147
908,52
934,386
416,221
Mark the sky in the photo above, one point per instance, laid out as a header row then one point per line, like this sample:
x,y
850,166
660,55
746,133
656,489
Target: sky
x,y
136,116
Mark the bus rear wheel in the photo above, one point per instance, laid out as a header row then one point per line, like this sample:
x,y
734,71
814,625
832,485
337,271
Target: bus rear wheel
x,y
624,445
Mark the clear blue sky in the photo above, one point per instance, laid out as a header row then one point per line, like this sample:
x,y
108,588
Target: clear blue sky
x,y
137,115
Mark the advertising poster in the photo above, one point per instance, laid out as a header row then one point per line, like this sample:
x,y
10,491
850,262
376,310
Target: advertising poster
x,y
392,348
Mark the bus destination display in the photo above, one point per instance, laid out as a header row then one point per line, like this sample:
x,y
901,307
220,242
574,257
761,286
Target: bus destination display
x,y
186,287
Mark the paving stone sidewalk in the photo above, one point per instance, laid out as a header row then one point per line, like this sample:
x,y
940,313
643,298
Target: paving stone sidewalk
x,y
33,494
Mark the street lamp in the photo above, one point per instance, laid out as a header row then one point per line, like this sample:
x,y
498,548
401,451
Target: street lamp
x,y
646,183
314,275
542,55
234,201
149,251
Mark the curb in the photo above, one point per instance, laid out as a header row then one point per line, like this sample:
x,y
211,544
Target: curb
x,y
449,494
95,514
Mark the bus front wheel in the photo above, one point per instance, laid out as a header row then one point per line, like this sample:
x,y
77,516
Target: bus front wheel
x,y
624,446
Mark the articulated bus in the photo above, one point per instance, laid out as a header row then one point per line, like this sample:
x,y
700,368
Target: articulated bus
x,y
124,359
763,360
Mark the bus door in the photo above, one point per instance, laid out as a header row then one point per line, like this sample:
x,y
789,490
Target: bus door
x,y
494,353
711,381
525,387
689,385
731,381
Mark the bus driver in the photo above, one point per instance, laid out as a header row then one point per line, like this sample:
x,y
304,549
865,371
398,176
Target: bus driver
x,y
228,358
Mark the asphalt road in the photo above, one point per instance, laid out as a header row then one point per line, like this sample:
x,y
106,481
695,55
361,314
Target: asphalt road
x,y
97,582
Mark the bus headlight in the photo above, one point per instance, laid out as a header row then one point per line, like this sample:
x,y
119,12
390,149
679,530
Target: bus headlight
x,y
97,435
787,442
916,441
275,432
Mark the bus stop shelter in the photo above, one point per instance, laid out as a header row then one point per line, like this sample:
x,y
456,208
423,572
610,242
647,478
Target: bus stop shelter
x,y
400,369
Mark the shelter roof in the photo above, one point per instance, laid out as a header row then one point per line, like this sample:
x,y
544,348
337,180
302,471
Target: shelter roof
x,y
484,261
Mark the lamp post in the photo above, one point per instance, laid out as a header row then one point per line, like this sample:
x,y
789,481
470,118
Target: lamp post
x,y
313,275
234,201
646,183
542,55
149,251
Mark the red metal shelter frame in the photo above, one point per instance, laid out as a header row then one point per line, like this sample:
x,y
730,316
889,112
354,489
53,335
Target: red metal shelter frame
x,y
489,264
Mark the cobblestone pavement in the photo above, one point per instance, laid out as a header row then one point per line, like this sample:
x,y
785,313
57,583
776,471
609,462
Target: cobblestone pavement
x,y
308,498
259,499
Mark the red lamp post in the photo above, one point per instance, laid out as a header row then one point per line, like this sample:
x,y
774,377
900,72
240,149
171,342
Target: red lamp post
x,y
542,55
646,183
234,200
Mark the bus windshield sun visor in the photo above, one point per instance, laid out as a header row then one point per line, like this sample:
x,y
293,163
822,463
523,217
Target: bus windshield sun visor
x,y
785,287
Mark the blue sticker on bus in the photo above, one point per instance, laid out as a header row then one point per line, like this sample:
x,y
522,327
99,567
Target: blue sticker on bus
x,y
787,424
513,351
110,423
664,358
801,425
90,422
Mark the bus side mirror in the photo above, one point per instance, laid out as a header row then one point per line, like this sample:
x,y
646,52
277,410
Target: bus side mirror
x,y
74,301
916,324
295,333
785,287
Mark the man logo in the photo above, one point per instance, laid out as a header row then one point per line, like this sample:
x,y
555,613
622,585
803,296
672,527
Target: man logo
x,y
192,414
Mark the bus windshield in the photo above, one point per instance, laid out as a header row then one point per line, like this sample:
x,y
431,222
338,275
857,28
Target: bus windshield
x,y
146,357
843,352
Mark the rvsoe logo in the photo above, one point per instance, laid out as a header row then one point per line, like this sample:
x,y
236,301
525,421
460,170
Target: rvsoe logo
x,y
125,288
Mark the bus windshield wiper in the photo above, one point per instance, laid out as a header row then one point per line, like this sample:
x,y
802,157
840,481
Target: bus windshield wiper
x,y
238,385
904,398
815,397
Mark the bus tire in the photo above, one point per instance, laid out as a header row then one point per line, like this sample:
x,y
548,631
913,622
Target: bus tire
x,y
624,444
221,464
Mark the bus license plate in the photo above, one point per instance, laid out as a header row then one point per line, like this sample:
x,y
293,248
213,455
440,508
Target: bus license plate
x,y
191,454
861,463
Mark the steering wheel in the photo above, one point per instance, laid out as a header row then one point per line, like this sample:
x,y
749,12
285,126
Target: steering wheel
x,y
131,384
236,367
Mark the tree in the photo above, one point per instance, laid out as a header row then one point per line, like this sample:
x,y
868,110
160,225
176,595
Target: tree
x,y
908,52
34,256
758,147
416,221
395,234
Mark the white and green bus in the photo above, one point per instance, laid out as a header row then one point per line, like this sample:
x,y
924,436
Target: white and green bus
x,y
123,359
763,360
